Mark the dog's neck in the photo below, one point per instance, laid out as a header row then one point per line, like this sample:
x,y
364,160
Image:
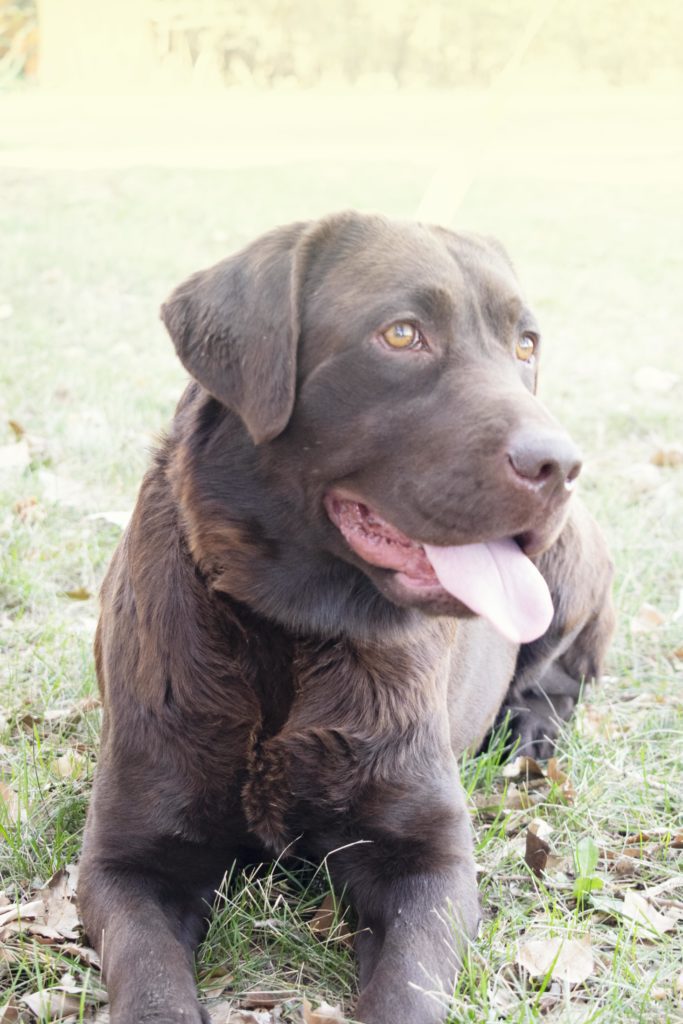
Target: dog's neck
x,y
255,541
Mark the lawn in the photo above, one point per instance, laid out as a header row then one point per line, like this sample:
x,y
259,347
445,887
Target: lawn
x,y
89,380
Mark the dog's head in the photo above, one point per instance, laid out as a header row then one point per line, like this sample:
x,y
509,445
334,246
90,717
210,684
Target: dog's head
x,y
385,377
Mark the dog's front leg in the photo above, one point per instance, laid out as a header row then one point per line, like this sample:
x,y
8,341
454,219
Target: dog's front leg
x,y
414,888
146,940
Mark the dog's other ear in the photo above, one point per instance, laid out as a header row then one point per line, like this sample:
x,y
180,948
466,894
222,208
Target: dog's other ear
x,y
235,327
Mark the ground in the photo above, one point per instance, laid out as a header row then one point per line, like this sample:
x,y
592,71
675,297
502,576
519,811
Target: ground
x,y
89,380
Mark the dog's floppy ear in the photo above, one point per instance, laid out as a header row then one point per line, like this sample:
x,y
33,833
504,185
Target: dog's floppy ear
x,y
235,327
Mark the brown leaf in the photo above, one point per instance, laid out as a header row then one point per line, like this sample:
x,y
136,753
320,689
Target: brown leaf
x,y
16,428
523,768
51,1004
656,835
22,912
325,1014
266,999
9,803
637,909
12,1012
225,1012
78,594
647,619
567,960
668,455
519,799
325,923
60,907
561,779
70,765
90,992
84,953
536,853
26,508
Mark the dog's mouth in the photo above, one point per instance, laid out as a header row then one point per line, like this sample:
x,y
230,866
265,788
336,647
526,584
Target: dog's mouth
x,y
494,578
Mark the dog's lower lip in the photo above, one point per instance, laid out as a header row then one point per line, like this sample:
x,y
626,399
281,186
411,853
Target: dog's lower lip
x,y
530,541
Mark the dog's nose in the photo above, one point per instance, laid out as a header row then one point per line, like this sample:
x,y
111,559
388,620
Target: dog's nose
x,y
544,459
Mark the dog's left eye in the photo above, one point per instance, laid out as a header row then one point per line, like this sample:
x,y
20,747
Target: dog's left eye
x,y
403,335
526,346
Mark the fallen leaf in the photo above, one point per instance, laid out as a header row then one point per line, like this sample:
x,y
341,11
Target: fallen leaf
x,y
536,853
12,1012
265,999
9,803
625,866
84,953
70,765
656,835
225,1012
325,923
668,455
324,1014
675,882
51,1004
91,992
561,779
59,898
23,912
523,768
647,619
636,908
16,429
568,960
27,509
493,804
78,594
73,712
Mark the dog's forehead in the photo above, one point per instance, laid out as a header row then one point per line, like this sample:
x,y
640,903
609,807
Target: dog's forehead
x,y
371,261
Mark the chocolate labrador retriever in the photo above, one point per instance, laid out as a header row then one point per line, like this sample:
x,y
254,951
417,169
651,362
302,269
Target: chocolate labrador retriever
x,y
355,541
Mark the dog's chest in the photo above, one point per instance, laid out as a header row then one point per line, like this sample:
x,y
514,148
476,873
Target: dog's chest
x,y
359,715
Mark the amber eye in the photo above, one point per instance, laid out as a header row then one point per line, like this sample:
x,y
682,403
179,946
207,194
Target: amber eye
x,y
526,346
403,335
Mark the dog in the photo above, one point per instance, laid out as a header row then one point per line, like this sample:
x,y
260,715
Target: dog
x,y
357,543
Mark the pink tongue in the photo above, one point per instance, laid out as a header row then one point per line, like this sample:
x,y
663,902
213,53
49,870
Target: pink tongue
x,y
496,580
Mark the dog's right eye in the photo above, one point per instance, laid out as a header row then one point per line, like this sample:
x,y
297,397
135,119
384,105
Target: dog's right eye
x,y
403,335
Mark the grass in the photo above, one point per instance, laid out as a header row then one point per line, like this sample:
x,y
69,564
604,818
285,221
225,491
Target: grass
x,y
89,380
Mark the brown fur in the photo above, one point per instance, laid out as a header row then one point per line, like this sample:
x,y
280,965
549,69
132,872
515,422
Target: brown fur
x,y
264,688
